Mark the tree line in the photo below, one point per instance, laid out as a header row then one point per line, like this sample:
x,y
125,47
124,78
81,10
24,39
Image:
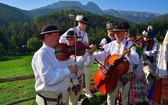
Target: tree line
x,y
22,37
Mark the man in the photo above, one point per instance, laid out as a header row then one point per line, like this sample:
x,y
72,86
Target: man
x,y
110,34
138,86
120,46
76,80
83,22
150,49
80,30
52,76
109,38
162,65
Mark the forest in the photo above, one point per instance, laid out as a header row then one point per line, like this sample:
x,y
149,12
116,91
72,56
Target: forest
x,y
21,37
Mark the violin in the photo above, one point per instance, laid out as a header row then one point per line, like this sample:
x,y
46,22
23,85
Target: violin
x,y
63,51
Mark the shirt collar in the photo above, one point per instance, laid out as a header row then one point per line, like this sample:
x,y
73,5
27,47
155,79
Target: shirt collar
x,y
124,41
112,38
48,48
78,29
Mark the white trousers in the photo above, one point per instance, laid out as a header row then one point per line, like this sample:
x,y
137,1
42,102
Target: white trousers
x,y
125,94
74,97
87,72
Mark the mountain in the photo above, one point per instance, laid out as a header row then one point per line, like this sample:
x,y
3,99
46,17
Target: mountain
x,y
16,15
10,14
67,5
162,17
132,16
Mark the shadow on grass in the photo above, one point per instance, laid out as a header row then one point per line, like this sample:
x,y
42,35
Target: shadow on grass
x,y
8,58
14,56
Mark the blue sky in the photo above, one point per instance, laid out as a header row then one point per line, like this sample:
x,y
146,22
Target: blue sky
x,y
155,6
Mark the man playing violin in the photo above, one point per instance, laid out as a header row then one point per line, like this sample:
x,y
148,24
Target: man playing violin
x,y
81,61
120,46
80,30
150,50
51,75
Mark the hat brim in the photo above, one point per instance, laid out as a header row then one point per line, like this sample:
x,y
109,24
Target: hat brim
x,y
118,30
148,36
84,22
68,36
47,32
109,28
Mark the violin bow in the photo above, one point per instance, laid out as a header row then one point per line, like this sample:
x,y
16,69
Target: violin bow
x,y
73,17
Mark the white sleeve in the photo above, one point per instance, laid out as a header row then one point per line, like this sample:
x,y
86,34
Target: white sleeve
x,y
154,49
103,42
47,73
134,57
81,60
101,56
90,61
85,38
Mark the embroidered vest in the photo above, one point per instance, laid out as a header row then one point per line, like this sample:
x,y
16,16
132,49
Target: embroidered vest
x,y
150,44
108,39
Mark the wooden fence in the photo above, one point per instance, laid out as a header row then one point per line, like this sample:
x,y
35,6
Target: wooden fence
x,y
3,80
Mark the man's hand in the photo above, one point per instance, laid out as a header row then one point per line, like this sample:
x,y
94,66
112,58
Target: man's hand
x,y
127,51
92,49
73,68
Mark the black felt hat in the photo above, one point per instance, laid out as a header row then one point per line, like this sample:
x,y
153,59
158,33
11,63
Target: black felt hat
x,y
148,34
110,25
81,18
125,25
119,28
49,29
71,34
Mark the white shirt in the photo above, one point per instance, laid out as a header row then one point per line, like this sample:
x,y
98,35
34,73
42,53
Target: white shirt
x,y
152,52
161,69
80,33
50,74
104,41
113,48
80,62
103,45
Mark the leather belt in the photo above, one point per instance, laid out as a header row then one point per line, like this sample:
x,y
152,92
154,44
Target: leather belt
x,y
50,99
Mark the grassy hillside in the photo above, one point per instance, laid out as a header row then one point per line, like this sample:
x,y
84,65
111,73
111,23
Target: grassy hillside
x,y
14,91
18,90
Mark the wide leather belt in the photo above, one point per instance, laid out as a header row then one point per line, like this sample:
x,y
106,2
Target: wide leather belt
x,y
46,99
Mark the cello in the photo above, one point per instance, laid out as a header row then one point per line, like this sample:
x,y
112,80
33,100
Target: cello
x,y
106,82
106,79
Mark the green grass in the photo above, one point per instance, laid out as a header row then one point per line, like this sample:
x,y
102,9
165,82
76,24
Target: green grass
x,y
18,90
14,91
17,66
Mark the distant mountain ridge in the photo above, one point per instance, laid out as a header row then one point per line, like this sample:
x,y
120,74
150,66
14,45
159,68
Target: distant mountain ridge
x,y
11,14
23,15
132,16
